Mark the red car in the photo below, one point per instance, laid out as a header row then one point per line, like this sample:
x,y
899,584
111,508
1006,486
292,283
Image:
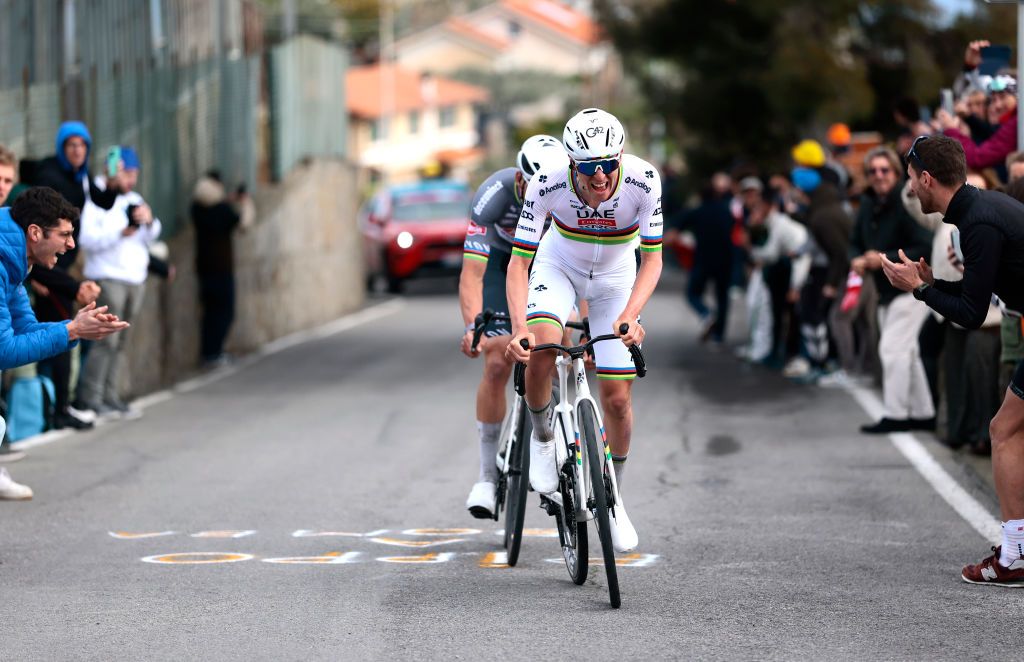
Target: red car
x,y
415,229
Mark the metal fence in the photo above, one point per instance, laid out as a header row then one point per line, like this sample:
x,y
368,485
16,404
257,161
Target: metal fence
x,y
178,79
308,116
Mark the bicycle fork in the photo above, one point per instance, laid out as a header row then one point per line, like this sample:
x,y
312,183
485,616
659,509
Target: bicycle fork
x,y
583,473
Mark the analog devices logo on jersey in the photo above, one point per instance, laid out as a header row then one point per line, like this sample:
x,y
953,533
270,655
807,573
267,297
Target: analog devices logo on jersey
x,y
639,184
552,188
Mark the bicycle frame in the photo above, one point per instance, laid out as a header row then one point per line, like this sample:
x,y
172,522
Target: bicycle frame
x,y
569,415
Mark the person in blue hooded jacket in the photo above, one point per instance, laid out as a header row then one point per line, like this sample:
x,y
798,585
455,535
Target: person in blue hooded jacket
x,y
34,233
57,292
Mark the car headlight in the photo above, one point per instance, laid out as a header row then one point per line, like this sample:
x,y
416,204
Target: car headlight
x,y
404,239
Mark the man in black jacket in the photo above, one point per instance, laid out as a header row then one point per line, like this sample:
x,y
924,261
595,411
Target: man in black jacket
x,y
216,220
56,291
711,223
884,226
991,239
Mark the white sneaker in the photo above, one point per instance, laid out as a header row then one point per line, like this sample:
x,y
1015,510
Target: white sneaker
x,y
797,367
84,415
543,473
481,501
837,379
624,538
13,491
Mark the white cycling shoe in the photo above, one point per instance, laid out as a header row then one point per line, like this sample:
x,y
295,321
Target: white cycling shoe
x,y
543,472
624,538
481,501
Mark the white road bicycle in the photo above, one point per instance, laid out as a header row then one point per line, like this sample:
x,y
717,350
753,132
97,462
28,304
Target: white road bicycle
x,y
587,490
513,460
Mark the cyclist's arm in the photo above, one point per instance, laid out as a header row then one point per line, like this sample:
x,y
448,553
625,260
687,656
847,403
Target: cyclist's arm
x,y
651,227
646,280
471,284
517,289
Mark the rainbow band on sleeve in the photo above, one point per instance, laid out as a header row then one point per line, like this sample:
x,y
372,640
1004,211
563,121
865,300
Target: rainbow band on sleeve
x,y
474,254
616,373
650,244
540,317
594,236
524,248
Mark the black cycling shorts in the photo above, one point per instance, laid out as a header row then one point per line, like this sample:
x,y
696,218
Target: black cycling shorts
x,y
1017,382
494,292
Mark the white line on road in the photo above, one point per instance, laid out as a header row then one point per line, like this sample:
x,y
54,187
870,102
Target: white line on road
x,y
285,342
962,502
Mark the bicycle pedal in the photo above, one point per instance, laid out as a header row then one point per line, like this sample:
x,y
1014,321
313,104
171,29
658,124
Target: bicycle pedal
x,y
550,505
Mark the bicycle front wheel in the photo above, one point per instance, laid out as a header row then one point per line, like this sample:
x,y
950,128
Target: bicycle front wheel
x,y
518,484
598,499
571,533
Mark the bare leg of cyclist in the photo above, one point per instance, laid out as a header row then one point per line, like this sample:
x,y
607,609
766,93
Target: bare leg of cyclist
x,y
490,403
617,406
543,473
616,403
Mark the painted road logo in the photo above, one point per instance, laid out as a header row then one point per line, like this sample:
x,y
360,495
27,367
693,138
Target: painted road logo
x,y
426,546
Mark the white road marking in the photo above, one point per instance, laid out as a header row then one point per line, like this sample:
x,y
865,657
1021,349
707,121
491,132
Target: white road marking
x,y
286,342
962,502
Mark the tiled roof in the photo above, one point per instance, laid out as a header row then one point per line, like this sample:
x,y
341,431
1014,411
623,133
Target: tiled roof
x,y
412,90
564,20
466,29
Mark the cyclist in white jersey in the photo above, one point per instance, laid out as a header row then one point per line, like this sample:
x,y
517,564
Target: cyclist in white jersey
x,y
599,206
487,250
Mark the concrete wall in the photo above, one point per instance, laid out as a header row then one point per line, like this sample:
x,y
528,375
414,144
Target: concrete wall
x,y
299,266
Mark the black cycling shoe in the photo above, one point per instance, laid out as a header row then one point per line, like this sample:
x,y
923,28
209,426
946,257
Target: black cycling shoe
x,y
924,424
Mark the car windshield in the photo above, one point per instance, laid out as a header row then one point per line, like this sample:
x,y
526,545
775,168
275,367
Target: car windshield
x,y
431,205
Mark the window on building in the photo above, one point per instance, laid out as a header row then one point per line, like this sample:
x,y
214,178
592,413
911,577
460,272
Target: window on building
x,y
379,129
414,122
447,117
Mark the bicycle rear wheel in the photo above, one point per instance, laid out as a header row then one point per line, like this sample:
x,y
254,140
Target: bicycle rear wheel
x,y
517,484
598,501
571,533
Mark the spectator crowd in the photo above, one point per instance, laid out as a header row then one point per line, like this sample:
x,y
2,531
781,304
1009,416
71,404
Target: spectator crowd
x,y
110,252
807,245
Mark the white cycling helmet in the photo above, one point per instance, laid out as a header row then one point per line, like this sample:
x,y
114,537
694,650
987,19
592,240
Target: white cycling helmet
x,y
593,134
540,152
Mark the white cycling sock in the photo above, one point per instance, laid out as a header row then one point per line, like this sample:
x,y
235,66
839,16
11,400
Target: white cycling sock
x,y
1013,543
489,433
619,464
541,420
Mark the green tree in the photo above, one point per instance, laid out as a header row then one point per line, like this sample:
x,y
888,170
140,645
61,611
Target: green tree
x,y
738,78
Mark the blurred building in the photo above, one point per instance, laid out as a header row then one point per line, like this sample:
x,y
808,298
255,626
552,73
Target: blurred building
x,y
403,122
510,36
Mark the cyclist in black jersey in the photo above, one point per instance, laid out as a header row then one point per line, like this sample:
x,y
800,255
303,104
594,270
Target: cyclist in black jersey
x,y
486,253
991,241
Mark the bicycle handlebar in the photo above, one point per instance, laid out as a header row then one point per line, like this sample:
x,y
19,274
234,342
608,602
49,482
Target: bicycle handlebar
x,y
482,320
634,350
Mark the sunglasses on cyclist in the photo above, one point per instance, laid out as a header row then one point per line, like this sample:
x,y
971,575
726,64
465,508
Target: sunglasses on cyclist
x,y
589,168
912,155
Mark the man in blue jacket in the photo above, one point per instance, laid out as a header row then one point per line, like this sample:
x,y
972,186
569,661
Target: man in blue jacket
x,y
36,231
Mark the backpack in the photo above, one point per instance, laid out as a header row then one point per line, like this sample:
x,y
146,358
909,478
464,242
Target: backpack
x,y
29,407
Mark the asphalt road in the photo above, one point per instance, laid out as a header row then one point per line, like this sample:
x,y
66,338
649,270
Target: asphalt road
x,y
325,484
